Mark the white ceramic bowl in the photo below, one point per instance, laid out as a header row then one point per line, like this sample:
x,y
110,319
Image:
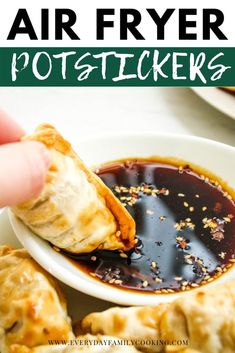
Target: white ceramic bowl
x,y
216,157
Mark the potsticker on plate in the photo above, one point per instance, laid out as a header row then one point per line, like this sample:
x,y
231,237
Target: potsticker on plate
x,y
202,321
75,211
32,307
33,312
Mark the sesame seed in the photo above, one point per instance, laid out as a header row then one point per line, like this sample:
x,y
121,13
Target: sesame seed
x,y
194,285
181,195
93,258
112,280
186,204
158,280
162,218
123,255
222,255
153,264
210,279
145,284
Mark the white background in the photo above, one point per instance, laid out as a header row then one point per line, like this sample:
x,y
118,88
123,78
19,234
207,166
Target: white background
x,y
79,112
86,22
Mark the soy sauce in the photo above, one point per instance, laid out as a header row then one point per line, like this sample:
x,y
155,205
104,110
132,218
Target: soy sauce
x,y
185,228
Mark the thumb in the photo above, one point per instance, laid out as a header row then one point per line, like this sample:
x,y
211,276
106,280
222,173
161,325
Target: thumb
x,y
23,170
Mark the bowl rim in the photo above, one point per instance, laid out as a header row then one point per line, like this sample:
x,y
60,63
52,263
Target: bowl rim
x,y
93,287
150,133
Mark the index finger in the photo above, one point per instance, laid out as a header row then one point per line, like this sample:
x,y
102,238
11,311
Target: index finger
x,y
10,131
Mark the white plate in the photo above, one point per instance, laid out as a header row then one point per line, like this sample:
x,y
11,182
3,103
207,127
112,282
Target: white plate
x,y
79,304
218,98
216,157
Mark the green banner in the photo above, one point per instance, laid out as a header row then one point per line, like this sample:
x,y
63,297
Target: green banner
x,y
117,66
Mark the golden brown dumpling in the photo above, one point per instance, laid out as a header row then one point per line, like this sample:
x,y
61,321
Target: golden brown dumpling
x,y
134,323
204,320
32,308
75,211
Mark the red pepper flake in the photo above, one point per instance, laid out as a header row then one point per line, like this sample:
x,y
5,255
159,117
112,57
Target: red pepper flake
x,y
218,236
130,164
216,226
218,207
182,243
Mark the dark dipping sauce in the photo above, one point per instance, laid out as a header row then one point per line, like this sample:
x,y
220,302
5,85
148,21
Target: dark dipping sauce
x,y
185,228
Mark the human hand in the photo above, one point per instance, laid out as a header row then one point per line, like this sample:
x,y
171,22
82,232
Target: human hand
x,y
23,165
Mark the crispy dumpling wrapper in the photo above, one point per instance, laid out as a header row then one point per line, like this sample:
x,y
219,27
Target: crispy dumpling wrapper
x,y
75,211
32,307
33,312
203,319
133,323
